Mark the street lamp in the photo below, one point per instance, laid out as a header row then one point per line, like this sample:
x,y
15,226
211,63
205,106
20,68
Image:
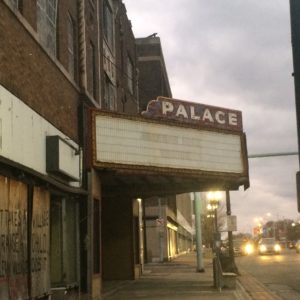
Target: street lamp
x,y
213,204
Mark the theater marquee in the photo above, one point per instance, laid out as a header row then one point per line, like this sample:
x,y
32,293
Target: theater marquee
x,y
172,137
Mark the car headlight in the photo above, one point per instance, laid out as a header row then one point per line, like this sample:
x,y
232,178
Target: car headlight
x,y
277,248
249,249
262,248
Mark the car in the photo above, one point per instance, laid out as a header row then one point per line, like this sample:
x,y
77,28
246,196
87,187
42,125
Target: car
x,y
248,248
268,246
291,244
237,247
243,247
297,246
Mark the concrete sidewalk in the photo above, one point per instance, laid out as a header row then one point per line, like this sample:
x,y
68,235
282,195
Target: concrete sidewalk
x,y
173,280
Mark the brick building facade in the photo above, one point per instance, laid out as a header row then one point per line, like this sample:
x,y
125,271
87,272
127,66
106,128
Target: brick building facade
x,y
62,221
58,59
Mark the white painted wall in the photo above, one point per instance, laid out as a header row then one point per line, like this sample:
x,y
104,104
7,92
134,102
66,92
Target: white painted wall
x,y
23,136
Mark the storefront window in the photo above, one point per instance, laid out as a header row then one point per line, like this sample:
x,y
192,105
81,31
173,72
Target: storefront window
x,y
63,241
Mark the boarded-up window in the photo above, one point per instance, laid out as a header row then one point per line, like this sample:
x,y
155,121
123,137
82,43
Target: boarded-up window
x,y
40,279
13,239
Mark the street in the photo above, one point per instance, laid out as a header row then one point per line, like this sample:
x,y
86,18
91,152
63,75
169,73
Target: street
x,y
279,273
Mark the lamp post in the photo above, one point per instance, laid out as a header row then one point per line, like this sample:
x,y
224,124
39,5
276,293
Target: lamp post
x,y
211,224
212,206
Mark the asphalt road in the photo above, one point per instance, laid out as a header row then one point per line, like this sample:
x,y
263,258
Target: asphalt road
x,y
279,273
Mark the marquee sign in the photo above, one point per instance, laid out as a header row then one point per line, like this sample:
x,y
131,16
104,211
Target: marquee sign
x,y
172,137
196,113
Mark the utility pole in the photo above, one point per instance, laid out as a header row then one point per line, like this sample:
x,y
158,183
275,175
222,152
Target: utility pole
x,y
199,249
230,235
295,30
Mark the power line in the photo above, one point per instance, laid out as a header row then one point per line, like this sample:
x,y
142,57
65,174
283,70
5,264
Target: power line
x,y
262,155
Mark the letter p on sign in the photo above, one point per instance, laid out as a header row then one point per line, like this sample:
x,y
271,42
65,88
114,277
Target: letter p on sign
x,y
167,107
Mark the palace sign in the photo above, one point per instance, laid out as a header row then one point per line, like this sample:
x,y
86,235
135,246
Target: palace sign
x,y
195,113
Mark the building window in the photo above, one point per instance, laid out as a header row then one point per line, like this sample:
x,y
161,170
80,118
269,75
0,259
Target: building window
x,y
14,4
108,24
46,23
109,95
129,74
71,46
93,69
64,241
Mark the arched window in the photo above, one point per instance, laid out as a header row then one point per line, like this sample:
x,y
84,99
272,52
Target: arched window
x,y
71,46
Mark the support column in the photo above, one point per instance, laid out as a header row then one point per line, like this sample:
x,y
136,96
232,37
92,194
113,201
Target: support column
x,y
199,249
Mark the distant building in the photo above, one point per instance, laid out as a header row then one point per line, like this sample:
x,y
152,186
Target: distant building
x,y
168,220
153,75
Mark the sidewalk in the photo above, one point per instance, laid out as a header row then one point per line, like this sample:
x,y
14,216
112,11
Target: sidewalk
x,y
173,280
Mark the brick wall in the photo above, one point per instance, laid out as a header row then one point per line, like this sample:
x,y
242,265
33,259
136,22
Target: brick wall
x,y
125,47
28,72
153,77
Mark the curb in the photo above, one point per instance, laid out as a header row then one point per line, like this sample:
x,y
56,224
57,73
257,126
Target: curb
x,y
241,293
254,288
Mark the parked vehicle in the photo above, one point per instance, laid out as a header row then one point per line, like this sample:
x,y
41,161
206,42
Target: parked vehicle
x,y
268,246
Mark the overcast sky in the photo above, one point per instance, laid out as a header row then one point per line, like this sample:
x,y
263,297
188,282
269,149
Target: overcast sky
x,y
235,54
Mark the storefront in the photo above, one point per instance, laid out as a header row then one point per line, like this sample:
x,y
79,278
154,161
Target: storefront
x,y
39,209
